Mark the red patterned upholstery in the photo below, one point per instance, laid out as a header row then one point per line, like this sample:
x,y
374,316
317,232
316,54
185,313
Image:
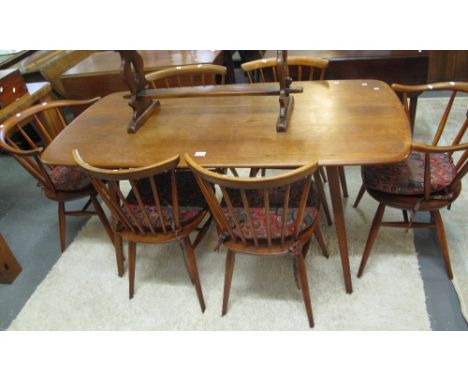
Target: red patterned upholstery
x,y
407,177
259,218
191,200
69,178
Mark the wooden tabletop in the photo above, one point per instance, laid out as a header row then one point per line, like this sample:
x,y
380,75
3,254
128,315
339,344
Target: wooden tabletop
x,y
36,91
335,122
109,61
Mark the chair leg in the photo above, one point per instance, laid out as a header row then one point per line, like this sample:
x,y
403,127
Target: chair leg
x,y
131,267
323,199
319,237
322,174
62,226
344,186
102,217
186,263
202,232
230,258
305,289
119,254
359,196
192,263
372,235
263,172
295,269
443,241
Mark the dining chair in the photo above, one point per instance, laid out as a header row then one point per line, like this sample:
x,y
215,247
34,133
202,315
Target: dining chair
x,y
25,135
428,180
300,68
164,205
187,75
266,216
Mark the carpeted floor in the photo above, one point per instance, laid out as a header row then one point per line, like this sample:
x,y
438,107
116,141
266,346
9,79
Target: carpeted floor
x,y
455,219
82,291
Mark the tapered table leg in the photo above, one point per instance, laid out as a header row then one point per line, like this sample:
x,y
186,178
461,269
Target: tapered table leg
x,y
335,192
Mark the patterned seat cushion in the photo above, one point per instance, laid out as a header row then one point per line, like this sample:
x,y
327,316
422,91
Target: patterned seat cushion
x,y
69,178
191,200
407,177
259,217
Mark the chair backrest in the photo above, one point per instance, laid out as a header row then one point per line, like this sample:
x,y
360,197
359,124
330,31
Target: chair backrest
x,y
187,75
242,195
154,207
299,69
60,64
408,92
26,134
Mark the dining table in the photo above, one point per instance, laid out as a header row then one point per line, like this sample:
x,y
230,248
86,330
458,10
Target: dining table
x,y
336,123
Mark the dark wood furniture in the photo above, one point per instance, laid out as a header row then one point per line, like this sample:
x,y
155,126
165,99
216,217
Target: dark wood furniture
x,y
390,66
162,207
59,183
331,124
436,185
448,65
274,216
99,74
9,266
12,86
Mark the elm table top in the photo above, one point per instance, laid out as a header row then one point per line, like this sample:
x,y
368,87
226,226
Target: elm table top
x,y
335,122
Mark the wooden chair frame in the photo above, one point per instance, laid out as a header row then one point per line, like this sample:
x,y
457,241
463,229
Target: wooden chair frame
x,y
295,245
48,122
208,73
431,202
126,225
300,61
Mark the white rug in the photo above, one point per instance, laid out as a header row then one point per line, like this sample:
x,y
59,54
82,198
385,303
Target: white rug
x,y
83,292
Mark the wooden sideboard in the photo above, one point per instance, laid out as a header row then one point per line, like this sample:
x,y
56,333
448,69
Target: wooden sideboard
x,y
99,74
390,66
448,65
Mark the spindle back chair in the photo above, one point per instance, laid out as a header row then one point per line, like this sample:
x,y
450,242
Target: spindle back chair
x,y
187,75
299,69
429,180
26,134
267,216
164,205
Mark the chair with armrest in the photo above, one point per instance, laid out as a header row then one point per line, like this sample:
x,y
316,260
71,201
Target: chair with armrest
x,y
164,205
187,75
428,180
267,216
59,183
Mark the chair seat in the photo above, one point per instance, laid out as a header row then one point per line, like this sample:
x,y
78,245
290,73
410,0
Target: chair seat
x,y
259,217
191,201
407,177
67,178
